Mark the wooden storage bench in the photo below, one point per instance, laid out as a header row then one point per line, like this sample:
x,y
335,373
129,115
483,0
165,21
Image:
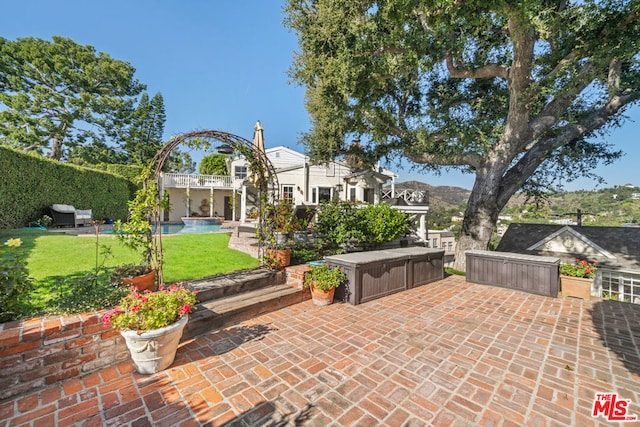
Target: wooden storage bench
x,y
530,273
375,274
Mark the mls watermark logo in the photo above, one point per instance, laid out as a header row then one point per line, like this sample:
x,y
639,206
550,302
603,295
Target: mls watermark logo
x,y
612,408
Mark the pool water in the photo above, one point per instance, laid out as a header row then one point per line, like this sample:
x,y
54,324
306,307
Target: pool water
x,y
186,229
189,229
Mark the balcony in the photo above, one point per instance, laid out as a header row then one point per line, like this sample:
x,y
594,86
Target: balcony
x,y
183,180
406,197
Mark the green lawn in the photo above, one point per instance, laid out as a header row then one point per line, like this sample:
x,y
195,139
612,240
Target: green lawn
x,y
186,256
57,262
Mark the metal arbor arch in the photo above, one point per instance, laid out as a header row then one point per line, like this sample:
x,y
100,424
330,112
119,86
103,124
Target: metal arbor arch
x,y
261,173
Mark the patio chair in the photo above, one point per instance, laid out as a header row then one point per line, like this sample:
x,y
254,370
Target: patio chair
x,y
68,215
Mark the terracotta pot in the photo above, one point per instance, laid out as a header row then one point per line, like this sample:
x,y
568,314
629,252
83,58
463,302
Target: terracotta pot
x,y
321,297
576,287
279,258
153,351
143,282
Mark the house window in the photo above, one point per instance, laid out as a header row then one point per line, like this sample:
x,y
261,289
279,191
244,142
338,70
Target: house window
x,y
321,194
368,195
240,172
450,246
435,243
352,194
287,193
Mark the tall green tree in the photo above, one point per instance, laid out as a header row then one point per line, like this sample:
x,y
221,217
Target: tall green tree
x,y
145,134
96,152
214,164
514,92
55,95
180,162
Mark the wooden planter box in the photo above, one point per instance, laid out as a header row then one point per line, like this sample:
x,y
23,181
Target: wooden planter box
x,y
577,287
528,273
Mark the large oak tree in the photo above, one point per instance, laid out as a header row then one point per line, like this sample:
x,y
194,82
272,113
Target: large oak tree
x,y
515,92
56,95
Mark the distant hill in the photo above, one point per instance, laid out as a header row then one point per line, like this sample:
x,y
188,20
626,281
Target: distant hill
x,y
608,206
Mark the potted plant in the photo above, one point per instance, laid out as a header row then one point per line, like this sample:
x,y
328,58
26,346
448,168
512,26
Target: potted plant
x,y
151,324
299,227
576,278
142,276
323,281
278,219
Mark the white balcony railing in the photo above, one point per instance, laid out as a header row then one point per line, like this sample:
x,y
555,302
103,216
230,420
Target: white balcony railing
x,y
182,180
412,197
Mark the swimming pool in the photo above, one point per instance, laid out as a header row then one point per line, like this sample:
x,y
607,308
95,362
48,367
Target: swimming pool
x,y
186,229
191,229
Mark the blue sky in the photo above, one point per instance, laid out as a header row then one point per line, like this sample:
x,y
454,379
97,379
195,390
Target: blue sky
x,y
223,65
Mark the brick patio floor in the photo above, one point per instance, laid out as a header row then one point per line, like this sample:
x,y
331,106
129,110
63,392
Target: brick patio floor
x,y
447,353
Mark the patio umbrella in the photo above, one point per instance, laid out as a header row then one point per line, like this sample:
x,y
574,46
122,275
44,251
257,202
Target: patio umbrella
x,y
258,146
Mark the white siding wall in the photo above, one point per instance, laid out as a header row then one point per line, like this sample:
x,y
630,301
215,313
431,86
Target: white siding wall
x,y
282,157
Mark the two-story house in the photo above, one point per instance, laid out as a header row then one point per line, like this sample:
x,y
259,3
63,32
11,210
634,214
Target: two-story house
x,y
304,183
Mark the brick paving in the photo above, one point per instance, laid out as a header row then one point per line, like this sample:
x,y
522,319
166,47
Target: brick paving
x,y
444,354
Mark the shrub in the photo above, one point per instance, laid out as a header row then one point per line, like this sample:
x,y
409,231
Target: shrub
x,y
382,223
83,293
31,183
347,223
14,279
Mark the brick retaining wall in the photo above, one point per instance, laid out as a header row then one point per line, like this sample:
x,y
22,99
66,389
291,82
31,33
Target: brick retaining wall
x,y
41,351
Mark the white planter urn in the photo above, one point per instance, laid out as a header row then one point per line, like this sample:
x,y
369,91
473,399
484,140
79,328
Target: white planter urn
x,y
153,351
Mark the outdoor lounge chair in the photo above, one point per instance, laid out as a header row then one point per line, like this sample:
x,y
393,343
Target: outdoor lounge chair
x,y
70,216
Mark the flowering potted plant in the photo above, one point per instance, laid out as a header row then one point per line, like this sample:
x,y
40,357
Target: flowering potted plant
x,y
152,324
576,278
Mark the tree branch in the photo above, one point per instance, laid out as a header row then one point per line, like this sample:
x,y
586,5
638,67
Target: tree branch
x,y
551,112
518,174
485,72
464,159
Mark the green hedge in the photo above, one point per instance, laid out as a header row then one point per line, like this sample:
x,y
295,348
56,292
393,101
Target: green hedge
x,y
128,171
32,183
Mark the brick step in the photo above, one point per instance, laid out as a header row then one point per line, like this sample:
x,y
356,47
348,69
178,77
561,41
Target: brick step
x,y
214,288
228,310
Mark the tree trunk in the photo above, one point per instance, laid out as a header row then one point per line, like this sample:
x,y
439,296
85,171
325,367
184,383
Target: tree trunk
x,y
480,219
56,149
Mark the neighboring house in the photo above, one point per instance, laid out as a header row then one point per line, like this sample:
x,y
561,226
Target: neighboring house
x,y
616,249
443,239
